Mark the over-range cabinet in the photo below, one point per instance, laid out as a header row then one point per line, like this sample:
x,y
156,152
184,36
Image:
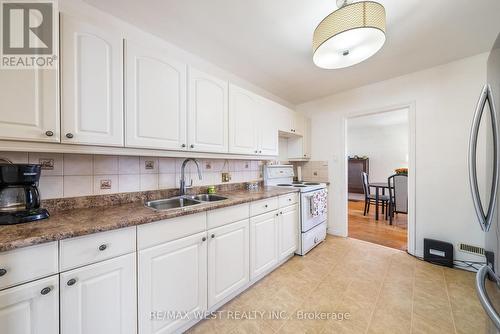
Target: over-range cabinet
x,y
486,198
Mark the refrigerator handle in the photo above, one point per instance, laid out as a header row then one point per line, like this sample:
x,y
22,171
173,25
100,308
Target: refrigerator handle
x,y
496,160
483,296
484,219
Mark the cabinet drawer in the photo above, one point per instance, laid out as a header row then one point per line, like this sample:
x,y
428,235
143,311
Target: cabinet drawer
x,y
227,215
263,206
170,229
288,199
29,263
96,247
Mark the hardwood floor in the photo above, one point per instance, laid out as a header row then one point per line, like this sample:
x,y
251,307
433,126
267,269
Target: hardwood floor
x,y
379,232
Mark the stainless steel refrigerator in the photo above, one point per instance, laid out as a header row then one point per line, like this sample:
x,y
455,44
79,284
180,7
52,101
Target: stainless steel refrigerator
x,y
486,199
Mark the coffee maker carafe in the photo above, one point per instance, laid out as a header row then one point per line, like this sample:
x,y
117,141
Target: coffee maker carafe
x,y
19,195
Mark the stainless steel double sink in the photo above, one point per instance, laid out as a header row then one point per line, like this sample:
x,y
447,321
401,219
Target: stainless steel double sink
x,y
183,201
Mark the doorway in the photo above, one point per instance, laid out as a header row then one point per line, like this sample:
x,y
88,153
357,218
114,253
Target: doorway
x,y
378,154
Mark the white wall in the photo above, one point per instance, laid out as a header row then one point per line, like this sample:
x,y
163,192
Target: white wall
x,y
444,98
385,144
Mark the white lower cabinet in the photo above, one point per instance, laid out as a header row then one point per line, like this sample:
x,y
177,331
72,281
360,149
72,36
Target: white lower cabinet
x,y
263,243
100,298
288,230
228,260
172,284
31,308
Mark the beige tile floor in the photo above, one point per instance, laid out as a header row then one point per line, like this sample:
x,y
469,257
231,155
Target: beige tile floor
x,y
381,290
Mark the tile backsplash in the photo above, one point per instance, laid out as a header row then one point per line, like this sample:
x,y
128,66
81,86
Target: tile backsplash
x,y
71,175
316,171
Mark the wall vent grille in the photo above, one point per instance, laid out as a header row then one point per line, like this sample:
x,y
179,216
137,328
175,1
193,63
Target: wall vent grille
x,y
471,249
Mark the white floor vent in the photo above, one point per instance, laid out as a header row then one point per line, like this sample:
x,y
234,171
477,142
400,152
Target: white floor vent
x,y
470,249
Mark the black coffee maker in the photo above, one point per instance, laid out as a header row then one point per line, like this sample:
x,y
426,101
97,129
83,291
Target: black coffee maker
x,y
19,196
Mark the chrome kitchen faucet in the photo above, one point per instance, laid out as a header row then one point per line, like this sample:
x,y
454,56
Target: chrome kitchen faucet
x,y
183,187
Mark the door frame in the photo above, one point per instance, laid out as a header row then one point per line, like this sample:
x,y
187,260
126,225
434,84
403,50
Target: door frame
x,y
411,106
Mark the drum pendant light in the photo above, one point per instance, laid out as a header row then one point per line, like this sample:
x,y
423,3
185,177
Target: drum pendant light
x,y
349,35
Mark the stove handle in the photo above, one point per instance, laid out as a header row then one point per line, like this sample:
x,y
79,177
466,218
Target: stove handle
x,y
483,296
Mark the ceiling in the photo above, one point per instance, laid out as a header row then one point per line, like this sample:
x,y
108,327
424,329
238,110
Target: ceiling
x,y
268,42
383,119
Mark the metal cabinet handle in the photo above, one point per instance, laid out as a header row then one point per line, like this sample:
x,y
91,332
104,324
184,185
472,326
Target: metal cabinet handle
x,y
49,133
45,291
212,236
483,296
103,247
277,214
3,272
256,151
289,200
260,151
281,212
204,239
484,218
191,146
71,282
266,206
69,135
183,145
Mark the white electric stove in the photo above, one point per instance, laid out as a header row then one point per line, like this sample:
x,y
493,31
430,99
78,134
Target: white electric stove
x,y
312,229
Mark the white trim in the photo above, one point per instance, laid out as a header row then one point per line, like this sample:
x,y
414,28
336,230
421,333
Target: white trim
x,y
411,106
24,146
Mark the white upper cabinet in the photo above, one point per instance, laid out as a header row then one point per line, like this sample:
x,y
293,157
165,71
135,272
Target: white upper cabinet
x,y
267,129
100,298
172,277
285,119
29,104
31,308
298,123
155,99
207,113
306,144
92,84
243,107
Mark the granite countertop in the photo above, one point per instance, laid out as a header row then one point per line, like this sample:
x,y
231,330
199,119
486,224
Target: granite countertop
x,y
83,221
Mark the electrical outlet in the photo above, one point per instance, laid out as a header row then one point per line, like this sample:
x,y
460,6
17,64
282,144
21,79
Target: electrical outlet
x,y
226,177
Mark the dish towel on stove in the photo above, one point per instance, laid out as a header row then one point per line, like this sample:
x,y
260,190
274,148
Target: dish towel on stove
x,y
318,203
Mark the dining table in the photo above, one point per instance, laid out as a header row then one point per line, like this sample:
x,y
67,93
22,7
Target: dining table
x,y
378,186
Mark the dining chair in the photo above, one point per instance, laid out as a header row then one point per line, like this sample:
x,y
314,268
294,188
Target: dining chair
x,y
398,195
371,199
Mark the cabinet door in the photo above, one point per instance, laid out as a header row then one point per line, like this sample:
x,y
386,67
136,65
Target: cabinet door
x,y
228,260
172,277
92,84
298,123
285,120
288,230
155,99
306,143
263,243
268,129
31,308
207,113
243,107
100,298
29,105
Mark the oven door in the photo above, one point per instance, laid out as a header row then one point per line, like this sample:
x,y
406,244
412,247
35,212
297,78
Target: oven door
x,y
307,219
